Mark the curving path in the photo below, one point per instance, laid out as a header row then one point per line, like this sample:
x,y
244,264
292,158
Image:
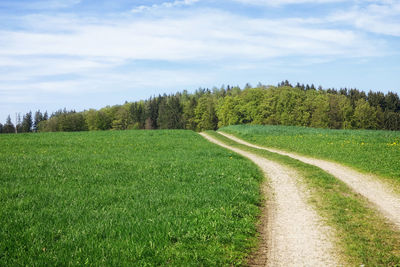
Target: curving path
x,y
295,234
378,193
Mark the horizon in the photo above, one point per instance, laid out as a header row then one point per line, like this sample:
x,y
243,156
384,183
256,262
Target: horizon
x,y
89,54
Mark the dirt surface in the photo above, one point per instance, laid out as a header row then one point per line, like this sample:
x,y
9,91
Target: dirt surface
x,y
381,195
294,233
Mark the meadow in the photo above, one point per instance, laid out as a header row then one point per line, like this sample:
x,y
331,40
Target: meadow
x,y
125,198
371,151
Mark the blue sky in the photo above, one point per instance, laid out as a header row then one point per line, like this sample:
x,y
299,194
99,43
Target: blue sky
x,y
83,54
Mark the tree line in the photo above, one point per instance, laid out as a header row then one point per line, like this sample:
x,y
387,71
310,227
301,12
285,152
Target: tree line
x,y
284,104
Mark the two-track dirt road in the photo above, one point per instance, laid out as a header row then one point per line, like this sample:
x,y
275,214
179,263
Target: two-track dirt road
x,y
295,234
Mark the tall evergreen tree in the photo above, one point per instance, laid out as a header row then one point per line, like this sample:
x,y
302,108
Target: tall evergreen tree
x,y
392,102
26,125
152,112
37,119
170,113
8,126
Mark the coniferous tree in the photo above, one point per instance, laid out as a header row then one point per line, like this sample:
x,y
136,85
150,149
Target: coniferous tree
x,y
26,125
8,126
376,99
37,119
392,102
170,113
152,112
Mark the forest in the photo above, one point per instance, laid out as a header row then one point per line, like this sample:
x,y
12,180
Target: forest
x,y
205,109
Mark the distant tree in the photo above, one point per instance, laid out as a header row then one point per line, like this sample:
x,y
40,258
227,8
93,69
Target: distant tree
x,y
320,114
189,107
1,128
376,99
334,113
170,113
103,120
343,91
122,119
391,120
18,124
71,122
228,111
64,121
356,95
392,102
365,116
37,119
205,114
50,125
152,107
138,115
329,91
27,123
246,107
8,127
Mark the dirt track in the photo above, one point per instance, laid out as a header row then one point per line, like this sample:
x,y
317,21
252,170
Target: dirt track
x,y
295,235
378,193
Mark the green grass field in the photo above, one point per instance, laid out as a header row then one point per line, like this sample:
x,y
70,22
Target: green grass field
x,y
377,152
363,237
125,198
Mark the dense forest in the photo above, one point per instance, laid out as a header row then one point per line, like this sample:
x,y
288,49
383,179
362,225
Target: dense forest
x,y
285,104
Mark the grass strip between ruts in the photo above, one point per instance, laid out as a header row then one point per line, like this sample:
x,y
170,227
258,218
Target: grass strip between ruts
x,y
363,236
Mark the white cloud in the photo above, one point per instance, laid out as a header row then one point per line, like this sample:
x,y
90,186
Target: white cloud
x,y
212,36
381,17
41,4
175,3
284,2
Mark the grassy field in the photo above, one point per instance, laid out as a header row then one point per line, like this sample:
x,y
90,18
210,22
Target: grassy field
x,y
362,236
377,152
125,198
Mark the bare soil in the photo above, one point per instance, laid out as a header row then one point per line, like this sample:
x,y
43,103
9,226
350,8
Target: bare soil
x,y
293,233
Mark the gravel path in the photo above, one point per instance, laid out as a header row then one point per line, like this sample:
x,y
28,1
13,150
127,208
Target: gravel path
x,y
377,192
295,234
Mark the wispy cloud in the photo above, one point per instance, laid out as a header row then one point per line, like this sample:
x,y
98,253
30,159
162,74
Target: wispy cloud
x,y
205,36
176,3
284,2
40,4
381,17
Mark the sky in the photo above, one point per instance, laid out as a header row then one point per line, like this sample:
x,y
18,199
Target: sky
x,y
82,54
